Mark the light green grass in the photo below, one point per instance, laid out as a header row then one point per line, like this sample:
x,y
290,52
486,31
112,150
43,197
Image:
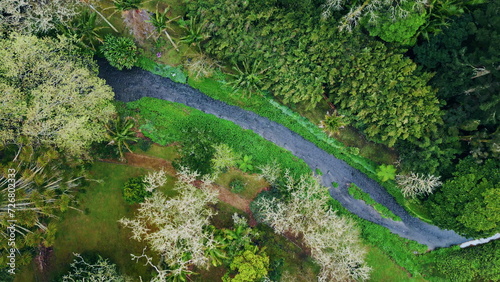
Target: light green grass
x,y
384,269
168,153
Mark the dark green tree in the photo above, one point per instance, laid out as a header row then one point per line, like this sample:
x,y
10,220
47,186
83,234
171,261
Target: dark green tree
x,y
121,52
469,202
466,60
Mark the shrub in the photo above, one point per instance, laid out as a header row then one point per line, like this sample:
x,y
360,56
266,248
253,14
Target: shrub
x,y
121,52
386,172
237,185
134,191
197,149
145,144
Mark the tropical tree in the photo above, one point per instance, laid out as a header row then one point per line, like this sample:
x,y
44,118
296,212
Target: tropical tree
x,y
415,184
35,186
248,78
52,95
386,172
160,21
332,123
250,265
224,158
35,17
121,52
84,28
333,240
176,228
195,32
101,270
120,133
469,202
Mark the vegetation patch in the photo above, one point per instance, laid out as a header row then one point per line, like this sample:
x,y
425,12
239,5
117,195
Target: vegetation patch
x,y
359,194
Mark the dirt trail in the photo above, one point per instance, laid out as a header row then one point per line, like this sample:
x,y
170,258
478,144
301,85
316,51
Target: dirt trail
x,y
131,85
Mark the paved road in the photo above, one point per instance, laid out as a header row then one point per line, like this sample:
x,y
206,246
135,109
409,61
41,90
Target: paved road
x,y
134,84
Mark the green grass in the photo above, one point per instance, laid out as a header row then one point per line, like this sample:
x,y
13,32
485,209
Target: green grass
x,y
385,269
253,183
168,153
359,194
96,230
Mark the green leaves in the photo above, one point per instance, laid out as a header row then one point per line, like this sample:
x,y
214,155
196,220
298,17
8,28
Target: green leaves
x,y
386,172
469,202
121,52
134,190
246,164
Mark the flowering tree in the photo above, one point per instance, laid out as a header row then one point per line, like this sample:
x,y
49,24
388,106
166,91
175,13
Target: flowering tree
x,y
333,240
176,227
415,184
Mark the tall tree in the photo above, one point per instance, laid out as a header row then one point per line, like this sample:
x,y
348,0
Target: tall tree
x,y
469,202
176,227
466,61
53,96
32,16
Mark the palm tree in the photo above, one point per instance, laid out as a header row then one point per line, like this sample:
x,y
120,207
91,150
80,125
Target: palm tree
x,y
120,133
84,29
332,123
160,21
249,77
195,33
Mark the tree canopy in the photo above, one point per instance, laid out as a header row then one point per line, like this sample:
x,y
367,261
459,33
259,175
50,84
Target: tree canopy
x,y
469,202
52,95
308,60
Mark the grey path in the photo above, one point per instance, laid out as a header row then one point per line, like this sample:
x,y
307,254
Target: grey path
x,y
134,84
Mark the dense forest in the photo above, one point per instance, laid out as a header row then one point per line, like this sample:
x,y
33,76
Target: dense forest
x,y
96,185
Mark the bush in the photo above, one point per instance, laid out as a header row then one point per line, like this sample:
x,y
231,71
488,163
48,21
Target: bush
x,y
197,149
121,52
237,185
478,263
103,151
134,191
145,144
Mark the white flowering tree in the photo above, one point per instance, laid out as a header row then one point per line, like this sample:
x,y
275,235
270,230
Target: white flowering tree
x,y
176,227
333,240
415,184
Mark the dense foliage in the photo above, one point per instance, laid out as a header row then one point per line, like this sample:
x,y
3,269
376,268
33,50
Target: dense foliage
x,y
477,263
308,60
51,95
121,52
466,60
469,202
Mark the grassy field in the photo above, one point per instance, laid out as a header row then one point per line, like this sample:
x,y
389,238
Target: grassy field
x,y
385,269
95,229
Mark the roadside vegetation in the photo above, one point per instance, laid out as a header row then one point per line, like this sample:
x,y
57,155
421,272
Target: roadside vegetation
x,y
405,92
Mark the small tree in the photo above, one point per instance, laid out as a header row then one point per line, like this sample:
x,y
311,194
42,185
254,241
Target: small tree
x,y
386,172
332,123
415,184
224,158
176,227
120,133
134,190
102,270
121,52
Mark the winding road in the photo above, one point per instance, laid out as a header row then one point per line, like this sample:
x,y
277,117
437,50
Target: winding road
x,y
134,84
